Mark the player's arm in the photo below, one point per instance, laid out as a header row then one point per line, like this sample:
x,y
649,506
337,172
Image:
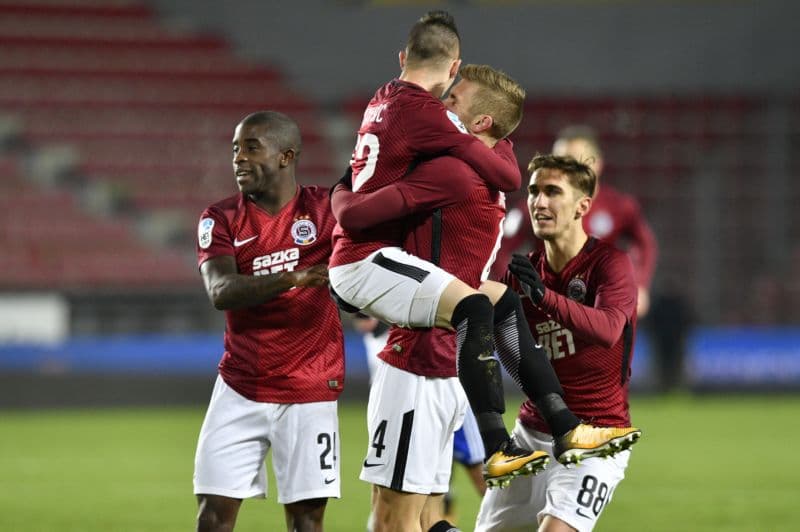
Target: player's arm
x,y
228,289
433,130
614,305
433,184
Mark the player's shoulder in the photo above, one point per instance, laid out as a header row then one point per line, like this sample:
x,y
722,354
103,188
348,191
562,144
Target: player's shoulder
x,y
605,252
225,206
315,192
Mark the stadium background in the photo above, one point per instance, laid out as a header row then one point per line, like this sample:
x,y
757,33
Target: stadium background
x,y
115,123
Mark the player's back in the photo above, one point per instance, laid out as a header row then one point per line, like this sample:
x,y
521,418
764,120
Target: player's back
x,y
386,145
402,125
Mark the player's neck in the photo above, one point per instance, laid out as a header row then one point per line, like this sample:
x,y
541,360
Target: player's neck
x,y
274,200
563,249
429,80
488,140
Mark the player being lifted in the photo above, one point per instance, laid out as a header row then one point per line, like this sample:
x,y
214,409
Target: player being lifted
x,y
404,124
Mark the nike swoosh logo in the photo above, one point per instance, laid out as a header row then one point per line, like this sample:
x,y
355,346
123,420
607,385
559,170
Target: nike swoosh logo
x,y
579,512
485,358
329,481
367,464
238,242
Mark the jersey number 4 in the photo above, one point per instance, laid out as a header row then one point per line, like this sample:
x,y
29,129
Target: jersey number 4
x,y
365,157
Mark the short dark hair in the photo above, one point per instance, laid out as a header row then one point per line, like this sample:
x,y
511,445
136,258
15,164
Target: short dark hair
x,y
580,175
282,129
433,39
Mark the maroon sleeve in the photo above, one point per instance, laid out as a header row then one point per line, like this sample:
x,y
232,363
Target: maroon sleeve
x,y
435,183
213,236
432,129
614,304
356,212
643,248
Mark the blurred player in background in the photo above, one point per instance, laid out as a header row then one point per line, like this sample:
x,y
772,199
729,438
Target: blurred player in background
x,y
462,237
263,257
615,217
582,304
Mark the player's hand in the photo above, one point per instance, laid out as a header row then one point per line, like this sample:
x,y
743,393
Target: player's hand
x,y
527,276
345,182
317,275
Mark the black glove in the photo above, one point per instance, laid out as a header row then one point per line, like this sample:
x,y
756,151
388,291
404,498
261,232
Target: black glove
x,y
346,181
527,276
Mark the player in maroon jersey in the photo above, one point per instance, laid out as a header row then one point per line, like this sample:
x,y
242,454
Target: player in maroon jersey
x,y
582,306
464,236
615,217
263,257
369,272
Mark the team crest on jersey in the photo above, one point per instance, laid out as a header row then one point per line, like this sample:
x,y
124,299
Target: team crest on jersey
x,y
204,232
456,121
576,290
304,232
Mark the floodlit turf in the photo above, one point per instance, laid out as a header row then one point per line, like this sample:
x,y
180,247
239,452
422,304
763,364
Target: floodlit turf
x,y
721,463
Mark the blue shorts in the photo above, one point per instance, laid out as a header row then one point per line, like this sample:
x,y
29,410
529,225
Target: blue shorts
x,y
467,444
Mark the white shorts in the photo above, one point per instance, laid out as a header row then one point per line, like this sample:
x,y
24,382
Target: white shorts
x,y
575,495
392,286
372,346
237,433
411,420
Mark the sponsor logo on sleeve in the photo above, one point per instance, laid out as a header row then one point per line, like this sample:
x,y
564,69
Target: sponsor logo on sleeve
x,y
204,230
457,121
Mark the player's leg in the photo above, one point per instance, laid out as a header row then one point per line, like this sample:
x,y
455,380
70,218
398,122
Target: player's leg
x,y
471,315
305,458
394,510
410,446
229,462
433,519
528,364
305,516
216,513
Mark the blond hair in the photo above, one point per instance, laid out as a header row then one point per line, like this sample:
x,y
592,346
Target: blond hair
x,y
499,96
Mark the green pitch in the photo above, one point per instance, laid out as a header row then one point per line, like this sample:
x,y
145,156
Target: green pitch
x,y
722,463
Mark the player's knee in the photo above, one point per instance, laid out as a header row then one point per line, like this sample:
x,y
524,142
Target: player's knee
x,y
476,308
307,515
509,304
216,514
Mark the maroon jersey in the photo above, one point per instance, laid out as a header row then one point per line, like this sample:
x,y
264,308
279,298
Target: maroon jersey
x,y
614,217
470,223
402,125
586,323
289,349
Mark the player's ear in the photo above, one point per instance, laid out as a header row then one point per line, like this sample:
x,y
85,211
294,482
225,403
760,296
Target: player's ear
x,y
288,157
454,67
483,123
584,204
401,57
